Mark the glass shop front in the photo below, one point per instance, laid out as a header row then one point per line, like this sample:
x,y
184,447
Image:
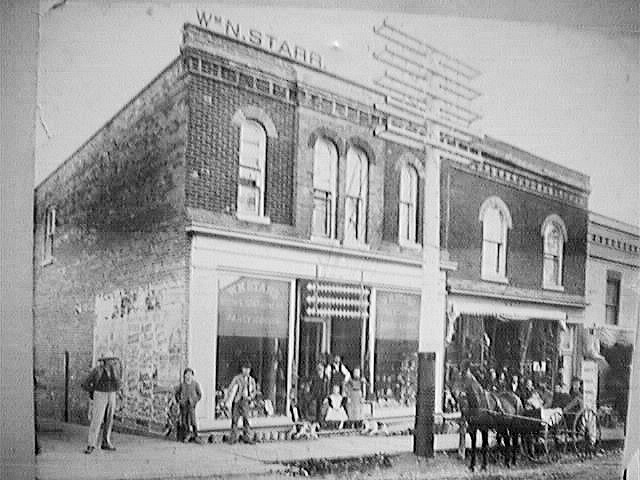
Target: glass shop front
x,y
375,330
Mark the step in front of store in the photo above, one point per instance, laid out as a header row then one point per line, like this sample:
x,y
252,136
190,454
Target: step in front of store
x,y
282,432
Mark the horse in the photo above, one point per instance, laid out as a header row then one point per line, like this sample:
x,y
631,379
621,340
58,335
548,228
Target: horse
x,y
484,410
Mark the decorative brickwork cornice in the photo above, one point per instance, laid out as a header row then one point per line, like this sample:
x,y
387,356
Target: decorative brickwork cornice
x,y
337,106
241,76
263,83
615,242
524,181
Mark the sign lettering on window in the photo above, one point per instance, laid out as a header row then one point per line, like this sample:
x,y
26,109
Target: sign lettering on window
x,y
253,307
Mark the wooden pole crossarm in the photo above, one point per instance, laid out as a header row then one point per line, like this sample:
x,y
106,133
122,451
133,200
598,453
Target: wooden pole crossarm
x,y
432,71
471,72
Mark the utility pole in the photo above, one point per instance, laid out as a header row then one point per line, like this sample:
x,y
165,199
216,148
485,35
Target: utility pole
x,y
428,107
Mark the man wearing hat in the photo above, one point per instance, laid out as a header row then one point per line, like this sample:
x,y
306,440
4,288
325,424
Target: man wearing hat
x,y
242,391
102,383
576,393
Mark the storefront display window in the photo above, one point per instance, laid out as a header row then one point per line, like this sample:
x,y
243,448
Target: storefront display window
x,y
396,348
253,325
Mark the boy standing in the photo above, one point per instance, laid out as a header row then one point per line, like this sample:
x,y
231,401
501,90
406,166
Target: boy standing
x,y
242,392
188,394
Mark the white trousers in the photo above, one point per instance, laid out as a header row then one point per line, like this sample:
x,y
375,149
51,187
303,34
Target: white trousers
x,y
103,402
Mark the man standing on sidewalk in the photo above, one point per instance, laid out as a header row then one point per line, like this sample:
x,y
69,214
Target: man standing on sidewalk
x,y
102,383
242,392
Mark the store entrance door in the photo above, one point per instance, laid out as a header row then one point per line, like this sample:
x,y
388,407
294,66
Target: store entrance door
x,y
313,345
334,320
346,336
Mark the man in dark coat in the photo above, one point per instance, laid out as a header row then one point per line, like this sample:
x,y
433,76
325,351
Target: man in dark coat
x,y
102,383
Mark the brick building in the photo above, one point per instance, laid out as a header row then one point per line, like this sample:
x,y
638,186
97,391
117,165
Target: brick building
x,y
247,205
613,310
234,208
516,226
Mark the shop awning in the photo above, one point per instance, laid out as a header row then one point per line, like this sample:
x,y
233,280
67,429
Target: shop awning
x,y
504,309
609,336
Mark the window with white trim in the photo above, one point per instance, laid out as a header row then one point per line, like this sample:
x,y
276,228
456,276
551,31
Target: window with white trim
x,y
408,215
49,232
251,174
496,221
554,235
325,174
356,196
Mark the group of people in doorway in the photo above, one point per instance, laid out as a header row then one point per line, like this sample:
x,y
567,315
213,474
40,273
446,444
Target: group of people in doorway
x,y
533,394
333,396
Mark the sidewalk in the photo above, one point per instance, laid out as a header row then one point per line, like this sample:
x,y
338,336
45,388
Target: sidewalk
x,y
137,457
62,456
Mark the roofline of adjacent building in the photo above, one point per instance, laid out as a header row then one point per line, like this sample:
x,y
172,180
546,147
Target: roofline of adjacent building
x,y
614,224
111,119
534,163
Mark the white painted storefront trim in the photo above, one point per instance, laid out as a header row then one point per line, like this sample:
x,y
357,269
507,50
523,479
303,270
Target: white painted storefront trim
x,y
213,255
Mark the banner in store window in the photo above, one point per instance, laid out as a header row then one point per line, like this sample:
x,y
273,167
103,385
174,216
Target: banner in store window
x,y
398,316
253,307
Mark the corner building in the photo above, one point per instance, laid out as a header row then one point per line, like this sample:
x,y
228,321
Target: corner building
x,y
239,207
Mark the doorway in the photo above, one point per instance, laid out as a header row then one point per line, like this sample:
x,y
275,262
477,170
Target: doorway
x,y
346,337
322,338
313,344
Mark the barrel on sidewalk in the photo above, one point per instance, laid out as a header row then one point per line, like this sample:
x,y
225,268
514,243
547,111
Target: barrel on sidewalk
x,y
425,405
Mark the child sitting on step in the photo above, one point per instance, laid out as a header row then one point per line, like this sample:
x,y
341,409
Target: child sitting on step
x,y
336,415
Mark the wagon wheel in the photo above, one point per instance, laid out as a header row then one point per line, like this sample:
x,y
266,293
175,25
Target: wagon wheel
x,y
556,436
533,444
586,433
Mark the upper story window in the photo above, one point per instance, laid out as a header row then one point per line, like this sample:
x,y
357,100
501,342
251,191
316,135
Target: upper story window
x,y
554,236
612,300
356,196
496,221
325,174
49,232
408,231
251,175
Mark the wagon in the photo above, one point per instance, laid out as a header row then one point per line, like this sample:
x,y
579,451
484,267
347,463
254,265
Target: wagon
x,y
544,434
547,433
585,434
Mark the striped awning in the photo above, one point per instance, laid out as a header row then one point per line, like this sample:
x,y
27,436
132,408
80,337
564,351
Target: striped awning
x,y
503,309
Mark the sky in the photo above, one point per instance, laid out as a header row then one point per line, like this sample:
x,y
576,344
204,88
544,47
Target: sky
x,y
568,94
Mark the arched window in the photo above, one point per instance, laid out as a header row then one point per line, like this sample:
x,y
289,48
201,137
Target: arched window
x,y
496,221
554,235
251,175
356,195
325,174
408,205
